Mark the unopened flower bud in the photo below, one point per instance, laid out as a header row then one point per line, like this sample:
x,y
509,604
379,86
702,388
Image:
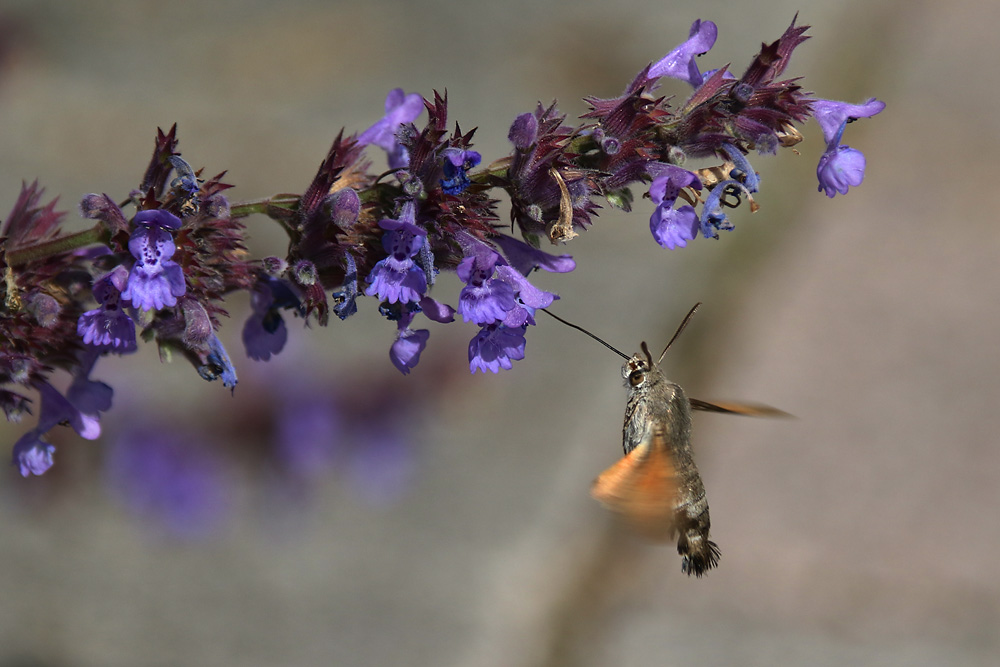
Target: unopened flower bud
x,y
44,308
304,273
345,205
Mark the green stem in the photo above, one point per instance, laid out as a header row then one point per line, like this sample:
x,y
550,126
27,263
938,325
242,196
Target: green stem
x,y
247,208
56,246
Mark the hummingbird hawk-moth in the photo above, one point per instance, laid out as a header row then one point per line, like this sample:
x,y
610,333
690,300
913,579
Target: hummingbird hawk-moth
x,y
656,486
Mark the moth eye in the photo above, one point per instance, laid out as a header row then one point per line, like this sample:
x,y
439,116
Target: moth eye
x,y
636,377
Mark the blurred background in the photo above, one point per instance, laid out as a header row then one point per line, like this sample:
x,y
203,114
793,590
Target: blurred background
x,y
333,511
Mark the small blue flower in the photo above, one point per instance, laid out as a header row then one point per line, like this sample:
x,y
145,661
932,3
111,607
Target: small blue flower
x,y
32,455
108,327
437,311
457,163
400,108
347,296
89,398
265,332
713,218
680,63
742,168
80,409
405,352
218,364
840,166
397,278
839,169
672,228
496,346
155,281
526,258
484,299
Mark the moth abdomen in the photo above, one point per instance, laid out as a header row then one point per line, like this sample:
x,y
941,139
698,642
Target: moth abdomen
x,y
699,554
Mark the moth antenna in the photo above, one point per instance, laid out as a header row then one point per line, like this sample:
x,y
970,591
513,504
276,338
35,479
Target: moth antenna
x,y
579,328
687,318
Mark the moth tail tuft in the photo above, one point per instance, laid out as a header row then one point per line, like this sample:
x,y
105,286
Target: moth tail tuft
x,y
699,554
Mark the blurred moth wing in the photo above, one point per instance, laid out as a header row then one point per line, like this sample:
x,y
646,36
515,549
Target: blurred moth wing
x,y
642,488
730,408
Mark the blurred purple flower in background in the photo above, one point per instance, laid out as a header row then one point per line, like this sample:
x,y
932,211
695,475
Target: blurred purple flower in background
x,y
170,481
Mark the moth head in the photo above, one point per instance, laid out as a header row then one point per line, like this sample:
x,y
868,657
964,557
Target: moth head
x,y
637,367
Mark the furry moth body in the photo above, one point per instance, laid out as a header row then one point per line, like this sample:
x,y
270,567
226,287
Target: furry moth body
x,y
656,485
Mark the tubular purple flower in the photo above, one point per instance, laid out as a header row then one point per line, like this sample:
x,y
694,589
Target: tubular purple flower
x,y
32,455
832,115
155,281
400,108
346,297
841,166
80,410
457,163
672,228
680,63
713,218
839,169
265,332
526,258
108,327
397,278
484,299
496,346
437,311
218,365
88,397
405,352
742,170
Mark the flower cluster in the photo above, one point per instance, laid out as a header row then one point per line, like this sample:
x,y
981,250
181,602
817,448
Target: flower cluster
x,y
158,265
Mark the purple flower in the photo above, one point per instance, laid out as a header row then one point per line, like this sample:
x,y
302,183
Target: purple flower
x,y
170,480
265,332
397,278
437,311
108,327
680,63
523,131
484,299
713,218
672,228
526,258
32,454
496,346
840,166
457,163
80,408
742,171
405,352
832,115
155,280
839,169
346,297
88,397
218,364
400,108
527,294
